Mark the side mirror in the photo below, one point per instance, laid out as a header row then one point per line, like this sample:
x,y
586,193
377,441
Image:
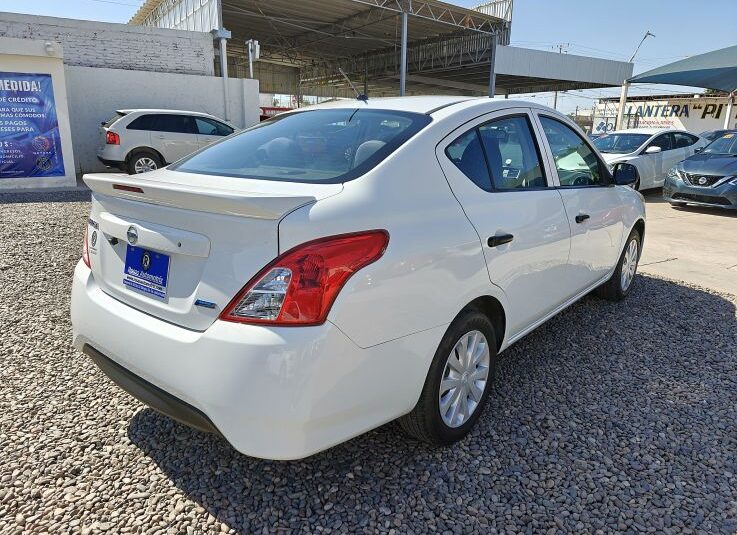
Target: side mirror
x,y
625,174
653,149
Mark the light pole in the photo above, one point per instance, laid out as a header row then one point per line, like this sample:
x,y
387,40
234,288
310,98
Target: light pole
x,y
626,84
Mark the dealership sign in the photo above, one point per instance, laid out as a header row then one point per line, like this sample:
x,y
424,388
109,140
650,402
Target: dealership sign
x,y
30,143
694,114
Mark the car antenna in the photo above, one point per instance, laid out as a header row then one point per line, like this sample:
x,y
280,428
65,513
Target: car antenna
x,y
359,96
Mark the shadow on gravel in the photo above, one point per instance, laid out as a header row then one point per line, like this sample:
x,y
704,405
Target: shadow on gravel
x,y
619,417
44,196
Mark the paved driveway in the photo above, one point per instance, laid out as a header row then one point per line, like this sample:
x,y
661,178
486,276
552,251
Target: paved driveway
x,y
696,245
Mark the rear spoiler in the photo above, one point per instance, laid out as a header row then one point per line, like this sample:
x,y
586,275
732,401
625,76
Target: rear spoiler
x,y
198,198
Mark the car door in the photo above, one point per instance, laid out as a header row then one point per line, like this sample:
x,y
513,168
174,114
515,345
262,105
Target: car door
x,y
494,167
210,130
174,136
593,207
657,164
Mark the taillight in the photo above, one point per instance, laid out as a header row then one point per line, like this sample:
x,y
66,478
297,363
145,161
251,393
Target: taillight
x,y
112,138
300,286
86,250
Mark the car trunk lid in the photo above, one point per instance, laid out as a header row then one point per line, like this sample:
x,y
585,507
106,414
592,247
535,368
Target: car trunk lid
x,y
179,246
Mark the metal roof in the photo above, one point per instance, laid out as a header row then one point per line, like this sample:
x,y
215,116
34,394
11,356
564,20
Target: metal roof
x,y
713,70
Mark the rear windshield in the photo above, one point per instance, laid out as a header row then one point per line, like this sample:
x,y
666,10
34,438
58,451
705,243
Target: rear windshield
x,y
109,122
329,146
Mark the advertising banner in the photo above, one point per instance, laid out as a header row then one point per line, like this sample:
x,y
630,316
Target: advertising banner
x,y
30,143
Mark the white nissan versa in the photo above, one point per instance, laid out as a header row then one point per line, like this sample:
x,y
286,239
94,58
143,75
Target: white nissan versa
x,y
335,268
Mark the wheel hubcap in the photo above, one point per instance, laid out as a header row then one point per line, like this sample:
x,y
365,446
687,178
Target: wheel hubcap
x,y
464,379
144,165
629,265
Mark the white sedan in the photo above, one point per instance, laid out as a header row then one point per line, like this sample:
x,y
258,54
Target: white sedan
x,y
342,266
653,151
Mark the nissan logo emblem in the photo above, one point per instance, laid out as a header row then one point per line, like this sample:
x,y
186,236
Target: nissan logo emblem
x,y
702,180
132,235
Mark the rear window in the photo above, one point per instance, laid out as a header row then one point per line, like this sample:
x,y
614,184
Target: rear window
x,y
329,146
113,119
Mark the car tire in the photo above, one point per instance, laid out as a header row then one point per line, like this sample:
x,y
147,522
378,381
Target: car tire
x,y
142,161
433,419
619,285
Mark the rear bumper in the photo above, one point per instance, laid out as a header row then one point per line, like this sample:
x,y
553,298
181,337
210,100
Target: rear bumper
x,y
111,163
150,394
722,196
275,393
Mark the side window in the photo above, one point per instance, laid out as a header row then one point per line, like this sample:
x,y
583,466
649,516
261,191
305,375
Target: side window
x,y
144,122
512,155
664,141
210,127
468,156
576,162
684,140
178,124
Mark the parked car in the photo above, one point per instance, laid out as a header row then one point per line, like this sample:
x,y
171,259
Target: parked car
x,y
138,141
711,135
653,151
708,178
335,268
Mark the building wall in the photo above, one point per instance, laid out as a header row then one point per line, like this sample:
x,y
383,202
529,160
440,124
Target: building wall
x,y
95,94
117,46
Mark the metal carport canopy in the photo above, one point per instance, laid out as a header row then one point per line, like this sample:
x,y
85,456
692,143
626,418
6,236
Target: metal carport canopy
x,y
712,70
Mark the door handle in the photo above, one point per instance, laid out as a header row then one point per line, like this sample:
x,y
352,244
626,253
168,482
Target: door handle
x,y
580,218
499,239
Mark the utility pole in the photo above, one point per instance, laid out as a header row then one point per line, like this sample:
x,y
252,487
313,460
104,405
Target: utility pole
x,y
561,48
626,84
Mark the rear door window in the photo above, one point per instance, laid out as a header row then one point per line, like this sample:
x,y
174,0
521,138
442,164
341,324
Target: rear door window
x,y
178,124
210,127
325,145
684,140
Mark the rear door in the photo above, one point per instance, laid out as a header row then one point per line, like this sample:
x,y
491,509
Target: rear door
x,y
210,130
593,208
174,136
494,167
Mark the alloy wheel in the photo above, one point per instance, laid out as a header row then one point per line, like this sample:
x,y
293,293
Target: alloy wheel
x,y
144,165
464,379
629,265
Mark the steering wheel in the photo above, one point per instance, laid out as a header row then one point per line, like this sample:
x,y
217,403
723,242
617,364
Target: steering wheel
x,y
581,180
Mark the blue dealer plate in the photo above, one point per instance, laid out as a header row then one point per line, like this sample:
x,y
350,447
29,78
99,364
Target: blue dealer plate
x,y
146,271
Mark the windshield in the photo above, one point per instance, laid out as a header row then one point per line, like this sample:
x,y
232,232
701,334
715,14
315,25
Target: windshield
x,y
327,145
620,143
727,144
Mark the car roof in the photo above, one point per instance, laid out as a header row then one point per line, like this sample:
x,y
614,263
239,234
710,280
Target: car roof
x,y
165,111
416,104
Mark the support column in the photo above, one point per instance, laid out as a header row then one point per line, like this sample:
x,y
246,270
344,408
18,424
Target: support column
x,y
730,111
221,36
622,104
403,66
492,64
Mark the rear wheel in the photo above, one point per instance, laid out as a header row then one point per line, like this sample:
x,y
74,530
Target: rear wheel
x,y
620,283
143,161
458,383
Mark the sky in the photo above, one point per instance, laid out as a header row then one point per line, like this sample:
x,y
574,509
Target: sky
x,y
598,28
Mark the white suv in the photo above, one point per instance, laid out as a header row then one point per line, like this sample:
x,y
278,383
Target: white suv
x,y
138,141
307,280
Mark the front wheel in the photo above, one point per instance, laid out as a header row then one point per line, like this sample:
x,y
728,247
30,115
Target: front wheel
x,y
620,283
458,383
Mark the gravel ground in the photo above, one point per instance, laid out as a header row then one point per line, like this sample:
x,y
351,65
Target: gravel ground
x,y
608,418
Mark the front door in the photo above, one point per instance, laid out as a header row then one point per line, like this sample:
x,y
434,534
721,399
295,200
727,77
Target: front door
x,y
592,205
495,170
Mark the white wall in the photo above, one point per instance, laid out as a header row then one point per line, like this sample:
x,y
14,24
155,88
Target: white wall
x,y
95,94
117,46
42,57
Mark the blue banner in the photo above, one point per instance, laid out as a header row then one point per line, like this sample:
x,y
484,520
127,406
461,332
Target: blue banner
x,y
30,144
